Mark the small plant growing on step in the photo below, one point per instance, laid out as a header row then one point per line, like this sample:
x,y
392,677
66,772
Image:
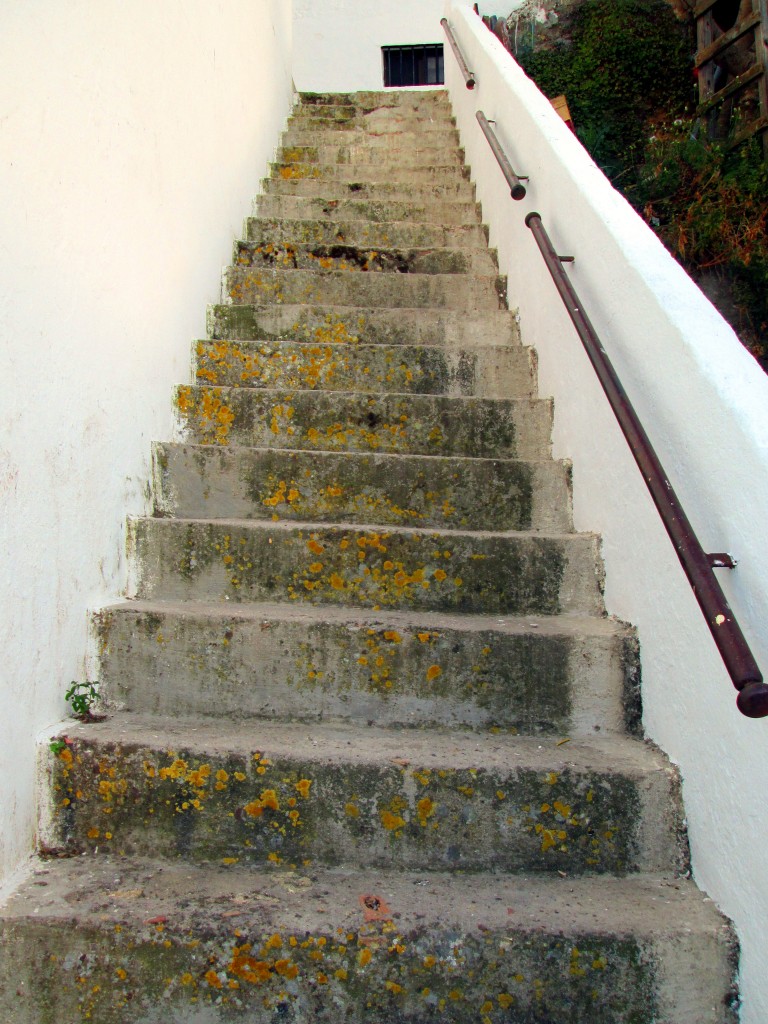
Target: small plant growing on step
x,y
82,697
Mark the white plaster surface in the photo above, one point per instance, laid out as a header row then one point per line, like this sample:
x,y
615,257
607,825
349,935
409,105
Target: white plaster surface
x,y
337,43
704,402
132,138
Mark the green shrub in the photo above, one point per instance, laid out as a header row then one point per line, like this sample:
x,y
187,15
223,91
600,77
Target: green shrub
x,y
628,59
627,77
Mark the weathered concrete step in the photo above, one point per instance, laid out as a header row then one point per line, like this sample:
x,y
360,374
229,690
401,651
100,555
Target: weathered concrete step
x,y
445,212
270,250
561,675
383,139
383,235
372,100
371,172
354,108
349,119
428,800
347,421
392,190
345,288
327,153
349,326
158,941
339,110
206,482
367,567
421,369
184,942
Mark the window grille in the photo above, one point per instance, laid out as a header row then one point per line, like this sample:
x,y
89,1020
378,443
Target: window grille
x,y
413,65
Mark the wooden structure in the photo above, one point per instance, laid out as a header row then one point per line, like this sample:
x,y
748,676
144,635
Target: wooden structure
x,y
732,66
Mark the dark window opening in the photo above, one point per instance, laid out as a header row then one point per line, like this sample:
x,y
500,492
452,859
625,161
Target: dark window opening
x,y
413,65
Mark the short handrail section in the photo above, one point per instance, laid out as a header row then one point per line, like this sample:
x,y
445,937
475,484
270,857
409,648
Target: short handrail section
x,y
469,78
699,566
515,181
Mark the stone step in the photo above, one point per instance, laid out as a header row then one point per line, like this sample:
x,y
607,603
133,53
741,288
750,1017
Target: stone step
x,y
149,942
387,138
271,250
348,421
422,369
448,173
432,800
368,567
451,213
339,110
382,235
329,153
371,100
385,119
561,675
338,325
391,191
206,482
471,292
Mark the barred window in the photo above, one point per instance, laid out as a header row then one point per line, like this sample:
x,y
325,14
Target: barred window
x,y
413,65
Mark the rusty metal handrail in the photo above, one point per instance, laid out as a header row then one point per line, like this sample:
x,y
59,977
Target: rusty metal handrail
x,y
469,77
697,564
515,181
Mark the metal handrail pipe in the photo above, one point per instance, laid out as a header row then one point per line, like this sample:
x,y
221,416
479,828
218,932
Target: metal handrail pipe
x,y
469,78
515,182
752,700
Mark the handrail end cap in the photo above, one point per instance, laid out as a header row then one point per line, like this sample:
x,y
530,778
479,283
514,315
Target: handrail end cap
x,y
753,700
532,216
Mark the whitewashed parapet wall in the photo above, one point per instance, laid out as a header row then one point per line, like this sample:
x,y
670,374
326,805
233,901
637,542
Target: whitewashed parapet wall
x,y
133,137
704,402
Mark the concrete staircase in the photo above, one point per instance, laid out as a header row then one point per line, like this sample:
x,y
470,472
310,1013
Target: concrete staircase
x,y
374,752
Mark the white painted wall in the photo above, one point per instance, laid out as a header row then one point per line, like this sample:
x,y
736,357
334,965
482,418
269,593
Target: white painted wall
x,y
337,43
132,138
704,402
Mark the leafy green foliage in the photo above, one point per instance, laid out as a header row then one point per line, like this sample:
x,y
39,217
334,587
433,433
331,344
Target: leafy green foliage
x,y
627,77
627,59
711,209
82,697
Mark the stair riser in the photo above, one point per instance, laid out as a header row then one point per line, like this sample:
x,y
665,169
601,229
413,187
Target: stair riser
x,y
194,482
363,234
426,370
269,251
434,174
375,124
402,99
392,191
168,663
427,155
310,208
329,325
340,421
340,109
221,561
349,288
390,140
202,971
207,806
